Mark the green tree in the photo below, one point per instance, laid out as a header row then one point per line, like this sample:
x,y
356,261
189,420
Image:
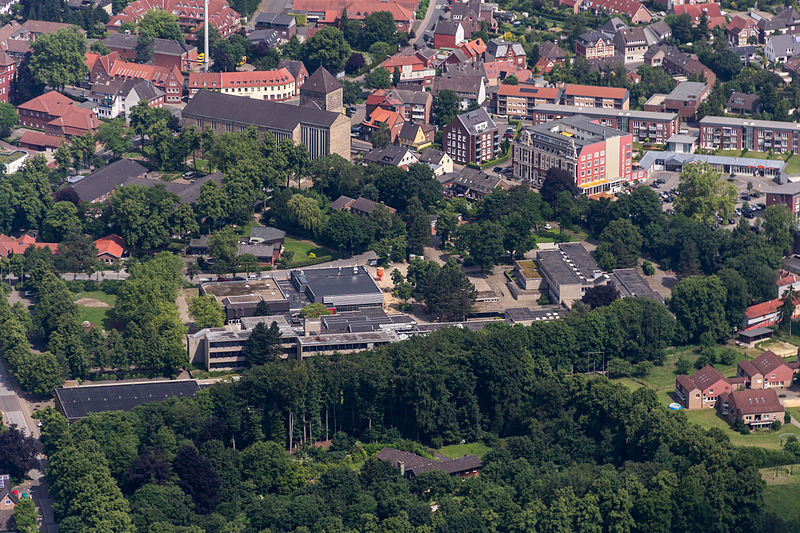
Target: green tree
x,y
211,204
380,136
26,518
206,312
326,48
787,308
446,292
347,231
263,345
446,224
447,105
620,245
378,78
379,26
315,310
271,469
305,211
699,307
160,24
114,136
510,80
76,252
483,241
58,59
703,193
8,118
144,47
60,220
780,227
224,246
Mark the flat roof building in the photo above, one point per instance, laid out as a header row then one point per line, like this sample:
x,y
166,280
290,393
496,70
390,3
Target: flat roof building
x,y
241,298
568,271
78,402
343,288
629,282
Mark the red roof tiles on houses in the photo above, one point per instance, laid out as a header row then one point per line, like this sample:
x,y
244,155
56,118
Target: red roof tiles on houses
x,y
39,139
223,17
595,92
18,245
528,91
113,245
260,78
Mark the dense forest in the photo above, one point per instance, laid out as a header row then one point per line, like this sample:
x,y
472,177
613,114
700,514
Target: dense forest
x,y
569,452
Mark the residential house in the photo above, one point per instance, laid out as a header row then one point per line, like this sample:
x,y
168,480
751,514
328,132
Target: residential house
x,y
416,136
471,184
285,25
710,10
568,271
787,21
110,249
598,157
359,206
116,96
631,44
322,91
551,51
439,161
767,371
728,133
590,96
743,103
740,29
779,48
167,53
633,9
748,53
471,137
412,465
17,245
392,155
298,71
657,32
111,66
427,56
259,84
613,25
8,501
519,101
757,409
57,115
500,50
189,13
701,389
448,34
595,44
412,69
644,126
379,117
472,12
471,89
411,105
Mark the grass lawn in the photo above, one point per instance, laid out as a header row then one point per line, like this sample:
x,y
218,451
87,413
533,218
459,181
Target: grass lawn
x,y
460,450
750,154
302,248
780,495
96,315
247,228
553,235
793,165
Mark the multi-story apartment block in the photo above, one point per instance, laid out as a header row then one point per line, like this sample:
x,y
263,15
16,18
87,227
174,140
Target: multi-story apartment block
x,y
471,137
759,135
631,44
260,84
518,101
595,45
598,157
590,96
644,126
8,72
413,106
189,13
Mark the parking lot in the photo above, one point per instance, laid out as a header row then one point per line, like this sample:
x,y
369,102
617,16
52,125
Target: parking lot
x,y
665,183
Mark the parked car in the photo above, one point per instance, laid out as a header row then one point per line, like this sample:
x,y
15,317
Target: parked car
x,y
548,226
755,194
498,169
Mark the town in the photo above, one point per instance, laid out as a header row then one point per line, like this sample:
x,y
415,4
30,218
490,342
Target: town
x,y
409,265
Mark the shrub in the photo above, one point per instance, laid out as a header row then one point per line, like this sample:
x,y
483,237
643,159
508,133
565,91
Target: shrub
x,y
682,366
776,425
787,418
648,268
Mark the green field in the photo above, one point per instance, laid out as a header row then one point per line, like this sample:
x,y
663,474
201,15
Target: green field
x,y
780,494
793,165
460,450
100,316
302,249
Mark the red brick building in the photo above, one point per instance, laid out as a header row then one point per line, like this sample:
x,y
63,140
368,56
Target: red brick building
x,y
190,16
166,52
57,115
8,71
471,137
701,389
111,66
767,371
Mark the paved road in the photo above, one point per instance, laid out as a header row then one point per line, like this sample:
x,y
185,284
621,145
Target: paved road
x,y
435,8
268,6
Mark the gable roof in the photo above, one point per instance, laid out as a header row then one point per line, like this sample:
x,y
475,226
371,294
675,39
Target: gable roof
x,y
446,27
572,89
592,37
767,362
110,244
432,155
472,119
126,41
267,233
706,377
294,67
106,179
391,154
750,402
550,50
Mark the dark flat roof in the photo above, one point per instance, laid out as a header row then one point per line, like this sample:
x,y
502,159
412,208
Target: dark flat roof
x,y
77,402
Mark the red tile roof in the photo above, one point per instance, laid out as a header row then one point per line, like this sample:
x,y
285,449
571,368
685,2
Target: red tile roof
x,y
591,91
18,245
37,138
52,103
740,23
528,91
767,362
473,48
260,78
629,7
381,115
764,308
706,377
750,402
221,15
696,10
111,244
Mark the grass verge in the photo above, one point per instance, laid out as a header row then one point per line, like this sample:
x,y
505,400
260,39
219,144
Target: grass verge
x,y
455,451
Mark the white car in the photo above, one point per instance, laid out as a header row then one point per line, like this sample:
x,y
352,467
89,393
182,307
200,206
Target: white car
x,y
548,226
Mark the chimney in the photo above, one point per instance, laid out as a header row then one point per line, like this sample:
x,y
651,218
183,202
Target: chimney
x,y
402,466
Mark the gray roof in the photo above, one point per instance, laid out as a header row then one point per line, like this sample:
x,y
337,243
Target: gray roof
x,y
275,19
744,50
258,250
160,46
77,402
729,121
270,37
267,233
446,27
629,282
657,32
652,156
341,203
293,66
473,179
550,50
243,110
784,45
678,138
476,122
583,130
106,179
431,155
499,47
687,90
790,188
632,35
416,464
412,97
459,83
591,37
613,25
321,81
783,19
604,112
338,285
745,101
144,89
570,263
365,205
391,154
